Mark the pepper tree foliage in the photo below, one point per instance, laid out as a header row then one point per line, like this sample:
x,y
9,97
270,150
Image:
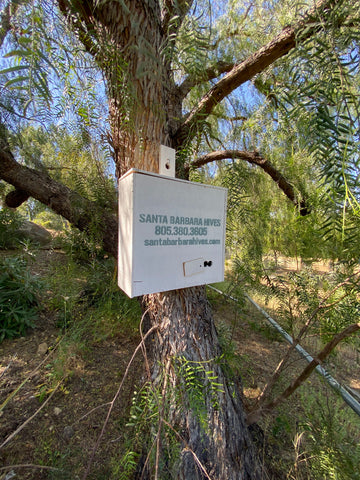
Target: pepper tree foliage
x,y
325,112
300,115
309,128
51,94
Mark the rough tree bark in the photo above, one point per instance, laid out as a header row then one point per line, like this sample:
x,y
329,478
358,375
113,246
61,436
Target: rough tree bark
x,y
186,332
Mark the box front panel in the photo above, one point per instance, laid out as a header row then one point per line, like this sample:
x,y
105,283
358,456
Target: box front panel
x,y
178,234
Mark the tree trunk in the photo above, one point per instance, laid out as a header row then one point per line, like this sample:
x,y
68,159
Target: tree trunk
x,y
205,405
208,419
211,433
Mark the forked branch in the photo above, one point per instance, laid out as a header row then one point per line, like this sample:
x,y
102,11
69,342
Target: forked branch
x,y
256,63
255,159
295,384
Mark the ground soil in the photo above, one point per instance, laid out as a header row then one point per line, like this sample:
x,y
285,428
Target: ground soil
x,y
65,430
61,434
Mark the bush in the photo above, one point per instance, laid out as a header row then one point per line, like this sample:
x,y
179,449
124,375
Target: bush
x,y
332,433
10,222
49,219
81,247
88,292
18,302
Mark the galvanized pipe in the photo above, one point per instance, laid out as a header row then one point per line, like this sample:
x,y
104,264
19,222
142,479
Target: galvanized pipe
x,y
349,399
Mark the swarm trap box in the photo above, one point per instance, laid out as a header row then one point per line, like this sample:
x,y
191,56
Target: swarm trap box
x,y
171,233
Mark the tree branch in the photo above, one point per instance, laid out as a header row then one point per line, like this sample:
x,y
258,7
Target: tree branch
x,y
305,374
173,14
208,74
255,159
280,46
79,211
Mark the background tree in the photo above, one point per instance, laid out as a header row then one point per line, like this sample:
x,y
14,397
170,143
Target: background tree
x,y
175,74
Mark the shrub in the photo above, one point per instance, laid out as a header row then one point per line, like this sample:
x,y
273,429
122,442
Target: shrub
x,y
9,228
332,433
18,302
81,247
49,219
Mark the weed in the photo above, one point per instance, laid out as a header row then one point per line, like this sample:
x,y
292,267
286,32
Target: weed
x,y
89,307
266,330
332,434
64,288
49,454
81,247
281,425
232,363
89,293
18,300
324,435
49,219
67,360
125,468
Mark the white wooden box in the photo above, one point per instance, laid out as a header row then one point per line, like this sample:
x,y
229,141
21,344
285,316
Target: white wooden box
x,y
171,233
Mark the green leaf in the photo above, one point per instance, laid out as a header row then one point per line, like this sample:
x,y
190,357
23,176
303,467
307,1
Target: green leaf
x,y
16,80
18,53
13,69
